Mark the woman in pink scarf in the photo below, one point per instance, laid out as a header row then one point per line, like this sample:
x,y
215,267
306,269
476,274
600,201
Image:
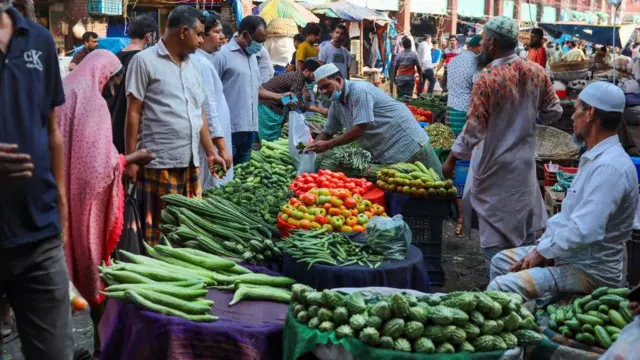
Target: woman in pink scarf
x,y
93,172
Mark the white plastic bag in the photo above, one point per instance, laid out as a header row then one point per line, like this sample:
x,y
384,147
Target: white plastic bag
x,y
299,133
627,346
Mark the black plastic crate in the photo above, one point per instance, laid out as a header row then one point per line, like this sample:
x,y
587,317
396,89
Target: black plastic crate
x,y
633,258
424,217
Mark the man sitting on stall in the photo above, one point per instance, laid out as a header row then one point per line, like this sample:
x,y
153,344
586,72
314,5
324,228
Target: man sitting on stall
x,y
583,245
381,125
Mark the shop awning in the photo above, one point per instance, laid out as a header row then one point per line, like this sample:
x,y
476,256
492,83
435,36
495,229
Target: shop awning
x,y
349,11
286,9
597,34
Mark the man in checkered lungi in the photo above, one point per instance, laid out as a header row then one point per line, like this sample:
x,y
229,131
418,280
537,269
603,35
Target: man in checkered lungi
x,y
165,97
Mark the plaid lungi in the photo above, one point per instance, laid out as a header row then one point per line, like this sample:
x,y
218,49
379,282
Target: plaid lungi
x,y
428,157
156,183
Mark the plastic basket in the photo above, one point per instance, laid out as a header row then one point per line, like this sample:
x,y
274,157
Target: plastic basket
x,y
550,177
636,162
460,175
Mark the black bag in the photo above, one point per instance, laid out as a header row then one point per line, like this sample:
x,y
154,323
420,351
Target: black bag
x,y
132,238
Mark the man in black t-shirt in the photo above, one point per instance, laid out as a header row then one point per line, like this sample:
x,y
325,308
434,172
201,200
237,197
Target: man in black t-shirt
x,y
33,271
143,33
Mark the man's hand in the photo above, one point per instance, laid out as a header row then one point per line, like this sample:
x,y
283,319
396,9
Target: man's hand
x,y
13,165
140,157
635,308
318,146
532,260
227,157
213,159
449,166
131,172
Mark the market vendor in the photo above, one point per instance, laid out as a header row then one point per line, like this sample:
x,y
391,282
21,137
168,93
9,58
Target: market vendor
x,y
381,125
583,245
271,112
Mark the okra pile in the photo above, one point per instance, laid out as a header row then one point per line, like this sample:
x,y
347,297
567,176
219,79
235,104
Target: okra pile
x,y
594,319
320,247
458,322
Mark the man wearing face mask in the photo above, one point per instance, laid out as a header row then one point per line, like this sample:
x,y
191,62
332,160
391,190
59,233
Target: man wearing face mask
x,y
271,112
237,66
142,32
506,99
583,245
381,125
165,113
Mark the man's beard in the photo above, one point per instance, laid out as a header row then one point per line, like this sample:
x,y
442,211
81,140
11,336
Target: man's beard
x,y
577,139
484,59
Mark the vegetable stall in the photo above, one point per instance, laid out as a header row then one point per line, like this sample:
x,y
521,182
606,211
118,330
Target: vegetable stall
x,y
278,263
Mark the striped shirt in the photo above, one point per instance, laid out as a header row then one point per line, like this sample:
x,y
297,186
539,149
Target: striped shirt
x,y
392,134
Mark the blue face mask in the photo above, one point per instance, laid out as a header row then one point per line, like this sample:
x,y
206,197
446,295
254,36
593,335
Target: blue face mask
x,y
336,95
254,48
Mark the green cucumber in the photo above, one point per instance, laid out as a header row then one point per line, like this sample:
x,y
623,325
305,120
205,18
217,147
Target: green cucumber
x,y
144,303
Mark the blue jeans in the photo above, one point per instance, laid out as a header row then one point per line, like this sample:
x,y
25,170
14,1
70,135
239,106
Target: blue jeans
x,y
242,145
427,75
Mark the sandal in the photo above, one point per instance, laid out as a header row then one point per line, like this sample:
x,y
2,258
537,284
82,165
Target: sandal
x,y
459,232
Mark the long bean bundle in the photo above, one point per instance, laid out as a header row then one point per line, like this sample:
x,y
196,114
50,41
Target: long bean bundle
x,y
319,247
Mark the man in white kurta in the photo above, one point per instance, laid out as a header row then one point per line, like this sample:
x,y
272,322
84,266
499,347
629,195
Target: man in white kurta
x,y
506,99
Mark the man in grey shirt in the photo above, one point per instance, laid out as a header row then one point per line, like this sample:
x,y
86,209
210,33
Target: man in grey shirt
x,y
165,115
335,52
238,69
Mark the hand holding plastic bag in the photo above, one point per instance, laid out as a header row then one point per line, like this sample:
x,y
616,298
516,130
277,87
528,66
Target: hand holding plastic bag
x,y
389,236
299,134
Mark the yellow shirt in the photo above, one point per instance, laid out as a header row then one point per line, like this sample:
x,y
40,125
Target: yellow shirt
x,y
305,51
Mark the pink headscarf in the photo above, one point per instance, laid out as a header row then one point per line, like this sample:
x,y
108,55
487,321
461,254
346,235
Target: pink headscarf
x,y
93,172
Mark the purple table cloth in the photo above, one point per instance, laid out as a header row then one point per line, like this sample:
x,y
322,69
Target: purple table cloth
x,y
248,330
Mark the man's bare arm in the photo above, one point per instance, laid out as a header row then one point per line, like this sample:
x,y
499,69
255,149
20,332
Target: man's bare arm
x,y
56,149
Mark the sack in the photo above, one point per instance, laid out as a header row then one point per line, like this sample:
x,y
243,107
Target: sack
x,y
299,133
131,239
628,344
389,236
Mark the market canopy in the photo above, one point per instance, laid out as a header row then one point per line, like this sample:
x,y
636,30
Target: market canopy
x,y
597,34
349,11
286,9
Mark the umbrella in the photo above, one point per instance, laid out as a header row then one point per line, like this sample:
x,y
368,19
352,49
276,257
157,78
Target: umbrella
x,y
275,9
349,11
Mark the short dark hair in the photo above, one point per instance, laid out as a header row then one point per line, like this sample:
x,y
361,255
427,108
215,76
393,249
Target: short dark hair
x,y
453,37
342,27
227,30
609,120
209,19
312,29
89,35
310,65
251,24
505,43
183,15
537,31
299,38
142,25
572,43
406,43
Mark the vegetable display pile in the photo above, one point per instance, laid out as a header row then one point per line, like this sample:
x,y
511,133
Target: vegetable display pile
x,y
352,156
420,114
594,319
434,103
416,180
329,180
271,166
320,247
456,322
334,209
217,226
440,135
171,282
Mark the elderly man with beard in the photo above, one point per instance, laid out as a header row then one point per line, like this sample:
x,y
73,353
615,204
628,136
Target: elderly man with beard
x,y
501,120
583,246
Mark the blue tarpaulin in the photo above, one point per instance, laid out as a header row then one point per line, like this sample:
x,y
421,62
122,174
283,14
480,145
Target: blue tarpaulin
x,y
597,34
112,44
348,11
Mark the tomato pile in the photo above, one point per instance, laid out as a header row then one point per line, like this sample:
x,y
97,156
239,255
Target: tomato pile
x,y
421,115
328,179
338,210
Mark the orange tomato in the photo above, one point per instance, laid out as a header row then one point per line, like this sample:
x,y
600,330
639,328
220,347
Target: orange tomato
x,y
334,211
351,221
336,201
350,202
346,213
78,303
327,206
358,228
369,214
305,224
354,212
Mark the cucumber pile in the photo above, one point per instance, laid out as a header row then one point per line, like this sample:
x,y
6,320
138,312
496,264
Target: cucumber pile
x,y
454,323
219,227
172,282
415,180
595,319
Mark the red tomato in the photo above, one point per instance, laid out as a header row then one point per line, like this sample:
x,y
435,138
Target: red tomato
x,y
350,203
294,201
320,219
308,199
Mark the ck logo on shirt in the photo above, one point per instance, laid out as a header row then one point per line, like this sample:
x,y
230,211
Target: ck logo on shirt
x,y
32,58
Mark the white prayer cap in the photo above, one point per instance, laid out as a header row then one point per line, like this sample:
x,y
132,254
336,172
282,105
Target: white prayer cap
x,y
604,96
325,71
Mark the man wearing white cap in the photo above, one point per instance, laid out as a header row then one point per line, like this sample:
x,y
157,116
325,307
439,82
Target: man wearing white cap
x,y
583,245
506,101
381,125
